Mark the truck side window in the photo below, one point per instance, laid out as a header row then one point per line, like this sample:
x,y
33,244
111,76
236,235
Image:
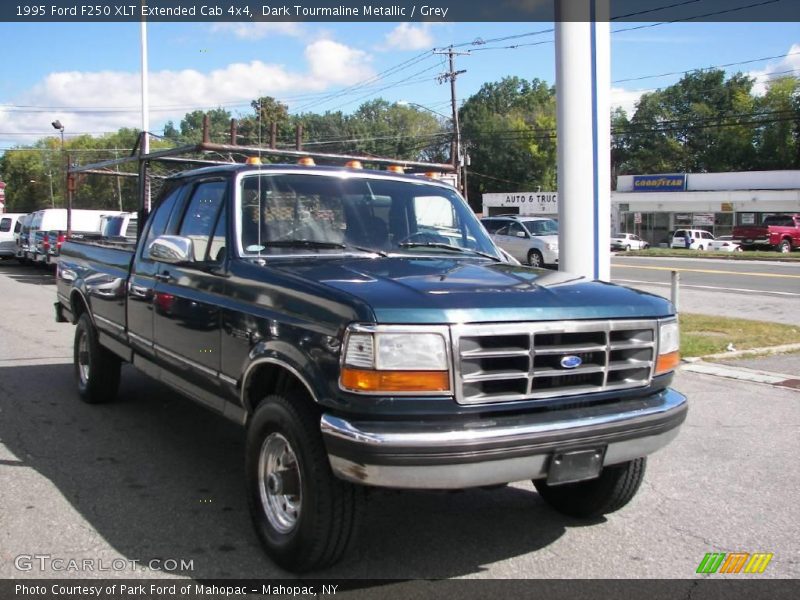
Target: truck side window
x,y
5,225
201,216
159,220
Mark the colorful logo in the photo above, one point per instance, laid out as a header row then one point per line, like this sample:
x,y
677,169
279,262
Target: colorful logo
x,y
734,562
571,361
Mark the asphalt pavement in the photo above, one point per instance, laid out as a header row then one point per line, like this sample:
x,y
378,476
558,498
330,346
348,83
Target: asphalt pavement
x,y
766,291
154,476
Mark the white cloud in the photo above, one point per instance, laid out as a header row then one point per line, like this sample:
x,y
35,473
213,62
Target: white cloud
x,y
790,63
116,94
332,62
260,29
626,99
409,37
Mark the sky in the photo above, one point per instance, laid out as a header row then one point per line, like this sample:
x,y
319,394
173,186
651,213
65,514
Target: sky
x,y
87,75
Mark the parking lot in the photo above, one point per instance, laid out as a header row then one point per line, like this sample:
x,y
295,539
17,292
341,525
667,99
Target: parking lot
x,y
154,476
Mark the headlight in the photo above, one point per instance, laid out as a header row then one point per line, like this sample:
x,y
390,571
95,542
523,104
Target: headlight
x,y
553,247
669,343
387,361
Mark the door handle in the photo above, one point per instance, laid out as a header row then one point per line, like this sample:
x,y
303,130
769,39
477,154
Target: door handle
x,y
163,276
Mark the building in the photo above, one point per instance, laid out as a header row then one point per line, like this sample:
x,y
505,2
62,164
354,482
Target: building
x,y
654,205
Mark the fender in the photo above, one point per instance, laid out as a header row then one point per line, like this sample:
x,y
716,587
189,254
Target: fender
x,y
289,357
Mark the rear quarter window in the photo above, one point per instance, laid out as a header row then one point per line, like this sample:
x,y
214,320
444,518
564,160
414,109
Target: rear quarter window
x,y
5,224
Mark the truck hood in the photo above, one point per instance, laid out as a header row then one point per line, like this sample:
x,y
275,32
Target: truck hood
x,y
450,290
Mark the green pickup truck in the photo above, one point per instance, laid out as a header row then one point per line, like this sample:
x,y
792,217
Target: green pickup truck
x,y
364,329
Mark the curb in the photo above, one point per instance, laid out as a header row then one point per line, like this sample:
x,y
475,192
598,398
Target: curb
x,y
765,351
699,365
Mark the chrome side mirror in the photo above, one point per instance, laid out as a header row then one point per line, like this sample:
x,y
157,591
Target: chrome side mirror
x,y
171,249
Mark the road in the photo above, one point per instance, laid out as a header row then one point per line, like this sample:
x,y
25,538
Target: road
x,y
155,476
768,291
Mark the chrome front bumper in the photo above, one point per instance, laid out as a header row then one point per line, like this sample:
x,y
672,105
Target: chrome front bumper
x,y
435,454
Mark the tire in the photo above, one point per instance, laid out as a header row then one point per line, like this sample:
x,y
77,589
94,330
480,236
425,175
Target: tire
x,y
615,487
96,368
317,528
785,247
700,248
628,248
535,259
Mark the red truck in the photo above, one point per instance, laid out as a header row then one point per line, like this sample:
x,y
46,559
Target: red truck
x,y
781,232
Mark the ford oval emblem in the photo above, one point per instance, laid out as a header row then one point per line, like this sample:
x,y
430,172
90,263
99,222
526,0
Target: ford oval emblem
x,y
571,361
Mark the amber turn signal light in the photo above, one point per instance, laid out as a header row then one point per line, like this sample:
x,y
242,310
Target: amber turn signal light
x,y
363,380
667,362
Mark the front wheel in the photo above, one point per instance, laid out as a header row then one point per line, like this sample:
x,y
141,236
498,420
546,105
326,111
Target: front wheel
x,y
616,486
785,247
96,368
305,517
535,258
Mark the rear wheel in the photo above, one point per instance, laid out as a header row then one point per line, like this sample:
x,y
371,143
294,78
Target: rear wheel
x,y
305,517
616,486
785,247
535,258
96,368
628,248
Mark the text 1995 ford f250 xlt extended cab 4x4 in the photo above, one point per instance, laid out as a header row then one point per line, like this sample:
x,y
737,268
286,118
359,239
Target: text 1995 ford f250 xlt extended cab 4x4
x,y
367,332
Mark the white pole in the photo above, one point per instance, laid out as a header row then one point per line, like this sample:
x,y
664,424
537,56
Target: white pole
x,y
145,105
583,85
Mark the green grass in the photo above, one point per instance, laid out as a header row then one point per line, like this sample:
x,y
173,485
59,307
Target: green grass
x,y
679,253
702,335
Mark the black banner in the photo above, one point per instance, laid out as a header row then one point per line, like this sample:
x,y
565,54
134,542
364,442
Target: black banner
x,y
400,10
463,589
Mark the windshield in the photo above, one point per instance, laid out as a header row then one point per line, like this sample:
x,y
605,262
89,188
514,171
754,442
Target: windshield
x,y
542,227
297,213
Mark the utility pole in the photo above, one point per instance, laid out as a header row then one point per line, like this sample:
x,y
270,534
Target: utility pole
x,y
451,75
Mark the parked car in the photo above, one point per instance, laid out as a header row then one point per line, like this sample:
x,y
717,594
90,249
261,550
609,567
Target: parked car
x,y
724,243
531,240
780,232
332,312
10,225
628,241
55,219
698,239
22,238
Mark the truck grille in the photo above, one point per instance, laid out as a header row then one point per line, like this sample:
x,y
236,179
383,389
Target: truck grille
x,y
519,361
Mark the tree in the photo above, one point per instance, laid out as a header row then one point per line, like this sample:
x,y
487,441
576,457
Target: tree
x,y
703,123
509,129
778,140
190,130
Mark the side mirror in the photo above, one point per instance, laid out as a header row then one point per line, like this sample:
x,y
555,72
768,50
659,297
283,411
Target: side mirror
x,y
171,249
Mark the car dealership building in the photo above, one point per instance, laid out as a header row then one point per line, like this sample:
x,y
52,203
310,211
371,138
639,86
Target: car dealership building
x,y
653,205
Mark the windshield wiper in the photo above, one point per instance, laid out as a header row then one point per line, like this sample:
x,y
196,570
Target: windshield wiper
x,y
448,247
317,244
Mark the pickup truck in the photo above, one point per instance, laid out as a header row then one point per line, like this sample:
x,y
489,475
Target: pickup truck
x,y
781,232
366,331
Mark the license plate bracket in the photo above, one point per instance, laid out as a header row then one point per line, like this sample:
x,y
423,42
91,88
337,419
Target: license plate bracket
x,y
575,465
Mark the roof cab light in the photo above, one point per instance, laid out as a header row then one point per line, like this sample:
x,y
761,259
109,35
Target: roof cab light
x,y
306,161
354,164
388,362
668,347
395,169
253,160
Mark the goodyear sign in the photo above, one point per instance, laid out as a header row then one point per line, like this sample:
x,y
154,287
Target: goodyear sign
x,y
659,183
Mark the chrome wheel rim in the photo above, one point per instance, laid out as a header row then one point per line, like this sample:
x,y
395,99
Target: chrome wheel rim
x,y
534,260
83,358
279,483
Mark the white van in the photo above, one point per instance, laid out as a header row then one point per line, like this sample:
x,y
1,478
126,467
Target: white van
x,y
10,225
55,220
692,239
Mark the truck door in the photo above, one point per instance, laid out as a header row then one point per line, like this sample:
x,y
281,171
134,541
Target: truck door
x,y
141,283
188,297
